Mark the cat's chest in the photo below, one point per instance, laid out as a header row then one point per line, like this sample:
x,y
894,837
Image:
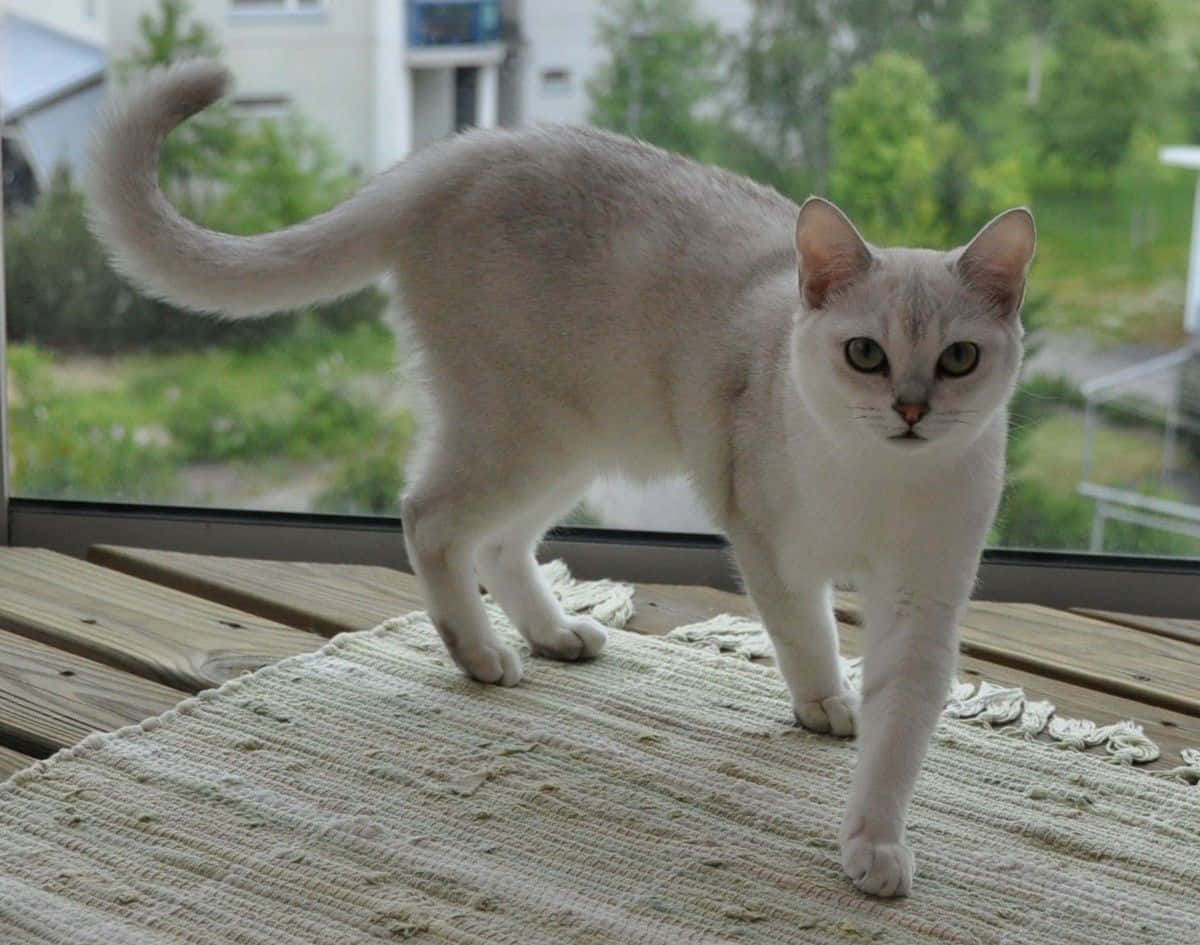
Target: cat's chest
x,y
848,523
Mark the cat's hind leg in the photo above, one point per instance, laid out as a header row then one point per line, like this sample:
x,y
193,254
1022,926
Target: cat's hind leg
x,y
466,490
441,535
508,570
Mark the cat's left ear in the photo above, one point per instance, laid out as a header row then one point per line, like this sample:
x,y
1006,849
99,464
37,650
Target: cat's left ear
x,y
996,262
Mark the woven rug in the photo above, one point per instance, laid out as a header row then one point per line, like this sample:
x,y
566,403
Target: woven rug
x,y
369,793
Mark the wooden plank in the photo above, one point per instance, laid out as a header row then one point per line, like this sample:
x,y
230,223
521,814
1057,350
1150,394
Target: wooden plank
x,y
176,639
321,598
343,596
1155,670
11,761
1176,629
50,698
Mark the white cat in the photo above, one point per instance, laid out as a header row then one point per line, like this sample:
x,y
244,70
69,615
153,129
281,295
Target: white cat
x,y
584,303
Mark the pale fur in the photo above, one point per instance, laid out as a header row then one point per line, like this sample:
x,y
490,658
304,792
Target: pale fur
x,y
586,304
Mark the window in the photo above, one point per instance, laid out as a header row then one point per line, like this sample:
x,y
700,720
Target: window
x,y
258,107
276,6
921,131
556,81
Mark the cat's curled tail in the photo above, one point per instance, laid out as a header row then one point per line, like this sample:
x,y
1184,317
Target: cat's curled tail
x,y
196,268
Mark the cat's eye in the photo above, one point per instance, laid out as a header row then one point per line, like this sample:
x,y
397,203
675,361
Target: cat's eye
x,y
959,359
865,355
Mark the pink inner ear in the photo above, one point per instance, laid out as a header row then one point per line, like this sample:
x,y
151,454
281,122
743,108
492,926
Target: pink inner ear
x,y
1004,287
995,263
831,253
828,277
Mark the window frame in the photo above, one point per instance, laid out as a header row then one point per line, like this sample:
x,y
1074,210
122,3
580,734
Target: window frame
x,y
1164,587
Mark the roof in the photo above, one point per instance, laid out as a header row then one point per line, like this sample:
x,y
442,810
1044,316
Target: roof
x,y
39,64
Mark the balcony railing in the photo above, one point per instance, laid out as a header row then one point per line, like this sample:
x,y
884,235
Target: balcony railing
x,y
453,22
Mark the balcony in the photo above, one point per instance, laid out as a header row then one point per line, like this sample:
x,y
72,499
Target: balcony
x,y
441,23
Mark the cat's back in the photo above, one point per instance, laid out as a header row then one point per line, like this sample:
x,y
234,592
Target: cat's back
x,y
582,194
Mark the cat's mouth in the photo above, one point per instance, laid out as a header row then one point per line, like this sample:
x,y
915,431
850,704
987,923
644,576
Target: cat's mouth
x,y
908,436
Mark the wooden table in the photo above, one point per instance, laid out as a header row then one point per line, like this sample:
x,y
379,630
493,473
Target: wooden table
x,y
94,645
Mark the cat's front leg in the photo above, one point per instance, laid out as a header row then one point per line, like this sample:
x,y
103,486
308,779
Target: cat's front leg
x,y
797,609
910,649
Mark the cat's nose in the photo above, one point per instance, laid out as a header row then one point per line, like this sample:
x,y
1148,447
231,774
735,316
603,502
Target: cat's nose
x,y
911,413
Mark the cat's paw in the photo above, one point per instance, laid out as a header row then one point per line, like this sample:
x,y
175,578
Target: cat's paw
x,y
837,715
491,662
879,869
581,638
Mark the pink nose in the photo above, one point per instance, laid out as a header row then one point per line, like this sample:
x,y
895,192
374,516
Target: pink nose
x,y
911,413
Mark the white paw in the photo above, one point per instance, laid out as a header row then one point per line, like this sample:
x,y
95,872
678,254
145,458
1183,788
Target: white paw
x,y
582,638
487,662
835,714
879,869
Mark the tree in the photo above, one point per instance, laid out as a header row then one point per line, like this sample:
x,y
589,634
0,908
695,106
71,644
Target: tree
x,y
663,65
904,173
796,55
277,172
887,142
196,151
1106,57
237,176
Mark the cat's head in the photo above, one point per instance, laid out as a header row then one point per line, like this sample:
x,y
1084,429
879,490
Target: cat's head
x,y
908,349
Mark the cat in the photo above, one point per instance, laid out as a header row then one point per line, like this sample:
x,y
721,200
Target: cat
x,y
584,303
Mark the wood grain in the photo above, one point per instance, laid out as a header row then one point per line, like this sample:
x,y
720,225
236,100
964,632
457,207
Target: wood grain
x,y
11,761
1157,670
176,639
320,598
1177,629
50,698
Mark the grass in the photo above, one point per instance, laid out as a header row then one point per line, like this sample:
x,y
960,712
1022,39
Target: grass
x,y
1042,508
1115,264
125,428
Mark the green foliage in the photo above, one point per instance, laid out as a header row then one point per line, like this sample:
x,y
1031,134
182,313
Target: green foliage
x,y
277,172
57,449
903,174
797,55
886,143
59,288
663,62
238,177
372,480
1098,84
195,152
1041,508
305,408
305,397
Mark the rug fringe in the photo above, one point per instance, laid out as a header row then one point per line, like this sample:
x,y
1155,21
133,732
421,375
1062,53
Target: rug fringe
x,y
1003,709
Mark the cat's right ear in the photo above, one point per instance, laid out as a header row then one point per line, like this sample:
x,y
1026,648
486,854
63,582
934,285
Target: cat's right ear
x,y
830,252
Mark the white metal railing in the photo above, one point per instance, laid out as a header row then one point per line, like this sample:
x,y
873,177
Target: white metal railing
x,y
1173,413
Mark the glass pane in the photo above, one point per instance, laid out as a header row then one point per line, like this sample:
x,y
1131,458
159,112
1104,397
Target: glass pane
x,y
921,120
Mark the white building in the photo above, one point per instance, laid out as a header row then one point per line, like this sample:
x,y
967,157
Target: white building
x,y
558,51
380,77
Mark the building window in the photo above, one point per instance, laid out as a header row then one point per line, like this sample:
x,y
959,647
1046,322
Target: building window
x,y
261,106
556,81
277,6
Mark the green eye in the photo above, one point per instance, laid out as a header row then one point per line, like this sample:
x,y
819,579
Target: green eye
x,y
959,359
865,355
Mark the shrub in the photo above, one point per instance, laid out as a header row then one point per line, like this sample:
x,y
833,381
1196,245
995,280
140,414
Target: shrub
x,y
60,452
371,481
